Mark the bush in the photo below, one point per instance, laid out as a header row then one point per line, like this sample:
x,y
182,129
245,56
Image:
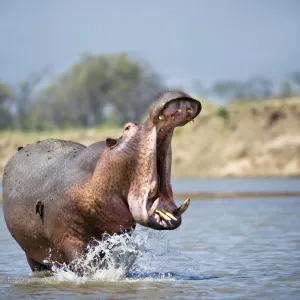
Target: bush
x,y
222,112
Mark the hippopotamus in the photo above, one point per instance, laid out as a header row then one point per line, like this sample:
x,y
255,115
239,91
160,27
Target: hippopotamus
x,y
59,195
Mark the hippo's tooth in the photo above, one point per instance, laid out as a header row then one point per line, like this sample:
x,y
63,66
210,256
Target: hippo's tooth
x,y
168,214
179,110
161,117
162,215
189,111
180,210
153,207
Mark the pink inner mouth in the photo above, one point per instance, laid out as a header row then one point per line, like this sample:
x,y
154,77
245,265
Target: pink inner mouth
x,y
175,113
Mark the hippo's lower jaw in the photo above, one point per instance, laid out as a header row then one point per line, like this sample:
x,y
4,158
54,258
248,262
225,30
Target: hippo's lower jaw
x,y
161,218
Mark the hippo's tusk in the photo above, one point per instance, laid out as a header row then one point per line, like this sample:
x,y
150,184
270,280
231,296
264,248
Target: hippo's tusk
x,y
162,215
168,214
180,210
189,111
161,117
153,207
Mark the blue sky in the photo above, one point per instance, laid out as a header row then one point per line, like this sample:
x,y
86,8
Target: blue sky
x,y
183,40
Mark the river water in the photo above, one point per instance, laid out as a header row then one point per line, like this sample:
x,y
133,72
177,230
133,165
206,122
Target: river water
x,y
225,249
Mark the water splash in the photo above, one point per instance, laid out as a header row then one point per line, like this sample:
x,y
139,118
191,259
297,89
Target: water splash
x,y
143,254
107,260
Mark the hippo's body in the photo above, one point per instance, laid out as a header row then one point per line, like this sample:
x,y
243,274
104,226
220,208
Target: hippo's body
x,y
86,191
52,167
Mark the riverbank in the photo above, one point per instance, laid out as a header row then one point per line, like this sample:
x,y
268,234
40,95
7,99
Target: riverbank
x,y
230,195
243,139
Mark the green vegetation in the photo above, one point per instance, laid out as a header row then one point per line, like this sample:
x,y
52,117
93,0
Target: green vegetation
x,y
222,112
99,89
109,90
253,88
5,96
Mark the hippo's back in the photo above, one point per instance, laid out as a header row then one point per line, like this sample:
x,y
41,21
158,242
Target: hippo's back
x,y
38,163
37,172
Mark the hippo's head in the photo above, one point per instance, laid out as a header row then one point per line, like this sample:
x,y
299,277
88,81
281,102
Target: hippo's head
x,y
142,158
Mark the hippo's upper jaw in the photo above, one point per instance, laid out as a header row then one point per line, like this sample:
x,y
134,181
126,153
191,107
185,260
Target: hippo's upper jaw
x,y
173,109
155,207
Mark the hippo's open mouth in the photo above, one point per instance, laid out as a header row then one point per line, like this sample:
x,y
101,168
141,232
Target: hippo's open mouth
x,y
163,214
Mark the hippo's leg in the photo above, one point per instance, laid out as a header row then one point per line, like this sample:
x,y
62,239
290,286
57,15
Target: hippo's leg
x,y
36,266
76,252
73,250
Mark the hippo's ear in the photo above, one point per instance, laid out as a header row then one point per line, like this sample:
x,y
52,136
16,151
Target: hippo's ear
x,y
111,143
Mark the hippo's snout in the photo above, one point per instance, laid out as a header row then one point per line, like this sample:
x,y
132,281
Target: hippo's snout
x,y
177,113
174,109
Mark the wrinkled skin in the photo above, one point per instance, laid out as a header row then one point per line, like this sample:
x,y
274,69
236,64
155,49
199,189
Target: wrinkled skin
x,y
108,186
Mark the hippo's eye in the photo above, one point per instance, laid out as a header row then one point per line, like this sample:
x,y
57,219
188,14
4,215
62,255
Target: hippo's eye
x,y
127,127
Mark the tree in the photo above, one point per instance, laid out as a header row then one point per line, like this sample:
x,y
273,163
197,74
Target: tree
x,y
23,95
228,89
5,99
295,79
258,87
97,84
285,89
254,88
135,86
